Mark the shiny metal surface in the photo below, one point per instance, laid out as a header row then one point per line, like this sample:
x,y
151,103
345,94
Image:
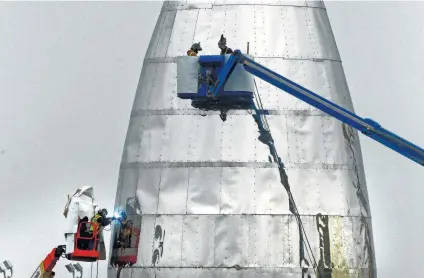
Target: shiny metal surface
x,y
209,185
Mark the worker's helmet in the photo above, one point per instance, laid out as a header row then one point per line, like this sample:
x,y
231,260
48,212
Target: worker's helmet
x,y
103,212
222,42
196,47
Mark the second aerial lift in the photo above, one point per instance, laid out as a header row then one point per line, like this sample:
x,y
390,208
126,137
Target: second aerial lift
x,y
83,244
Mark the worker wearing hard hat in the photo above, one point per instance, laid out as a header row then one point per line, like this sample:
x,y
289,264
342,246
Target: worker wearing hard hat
x,y
125,232
84,232
194,49
99,221
222,44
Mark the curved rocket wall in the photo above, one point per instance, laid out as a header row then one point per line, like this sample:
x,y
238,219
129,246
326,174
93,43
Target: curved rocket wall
x,y
209,186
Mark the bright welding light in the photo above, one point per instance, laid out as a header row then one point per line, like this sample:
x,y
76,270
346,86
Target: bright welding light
x,y
117,215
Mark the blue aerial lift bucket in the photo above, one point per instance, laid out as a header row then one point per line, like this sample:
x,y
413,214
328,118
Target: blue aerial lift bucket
x,y
198,76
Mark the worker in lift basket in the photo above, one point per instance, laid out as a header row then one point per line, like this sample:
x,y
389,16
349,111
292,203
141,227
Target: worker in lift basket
x,y
84,232
194,49
222,44
125,232
98,222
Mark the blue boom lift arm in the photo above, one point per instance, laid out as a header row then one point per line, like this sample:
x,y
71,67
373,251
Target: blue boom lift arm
x,y
214,73
367,126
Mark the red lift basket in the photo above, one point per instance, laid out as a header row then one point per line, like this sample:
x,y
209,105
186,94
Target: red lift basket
x,y
86,247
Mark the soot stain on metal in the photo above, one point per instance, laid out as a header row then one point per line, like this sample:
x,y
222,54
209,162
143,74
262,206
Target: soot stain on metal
x,y
324,263
349,135
159,238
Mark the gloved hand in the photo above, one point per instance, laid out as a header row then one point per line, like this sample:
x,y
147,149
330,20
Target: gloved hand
x,y
113,218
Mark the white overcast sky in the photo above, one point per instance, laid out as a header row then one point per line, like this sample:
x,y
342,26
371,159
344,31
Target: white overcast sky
x,y
68,75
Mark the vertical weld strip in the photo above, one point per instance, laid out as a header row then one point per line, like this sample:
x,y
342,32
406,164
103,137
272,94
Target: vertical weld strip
x,y
311,34
151,92
170,34
288,140
188,184
158,29
183,219
160,33
195,29
214,243
323,118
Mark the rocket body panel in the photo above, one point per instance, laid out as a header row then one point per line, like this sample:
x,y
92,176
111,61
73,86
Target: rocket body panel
x,y
211,204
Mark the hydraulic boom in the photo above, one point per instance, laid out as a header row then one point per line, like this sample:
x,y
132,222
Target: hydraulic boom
x,y
367,126
45,269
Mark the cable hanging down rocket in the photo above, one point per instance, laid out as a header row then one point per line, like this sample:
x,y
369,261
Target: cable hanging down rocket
x,y
204,194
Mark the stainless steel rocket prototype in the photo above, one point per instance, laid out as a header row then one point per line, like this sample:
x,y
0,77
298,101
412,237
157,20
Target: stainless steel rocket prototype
x,y
206,198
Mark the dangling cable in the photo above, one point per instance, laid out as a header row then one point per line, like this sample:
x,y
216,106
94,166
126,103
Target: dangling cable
x,y
261,108
268,140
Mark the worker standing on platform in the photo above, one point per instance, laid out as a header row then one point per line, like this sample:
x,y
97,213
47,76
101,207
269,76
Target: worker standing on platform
x,y
99,221
222,44
125,232
84,233
194,49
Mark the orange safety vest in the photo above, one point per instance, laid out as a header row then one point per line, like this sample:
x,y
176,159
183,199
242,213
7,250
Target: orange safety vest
x,y
191,53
